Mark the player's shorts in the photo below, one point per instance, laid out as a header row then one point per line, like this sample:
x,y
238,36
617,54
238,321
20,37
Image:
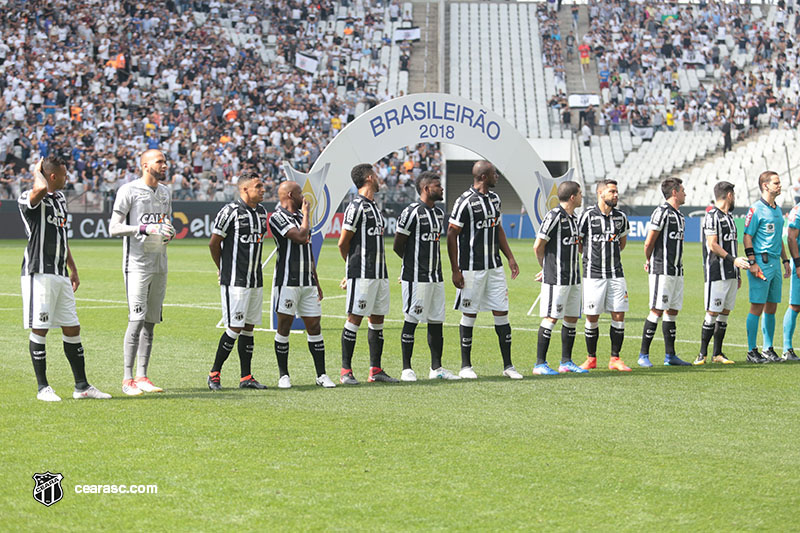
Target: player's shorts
x,y
297,301
484,290
241,305
604,296
769,290
145,291
794,289
48,301
424,301
666,292
367,297
558,301
721,294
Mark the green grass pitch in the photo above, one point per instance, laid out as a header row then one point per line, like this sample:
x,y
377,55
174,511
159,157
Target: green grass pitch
x,y
710,448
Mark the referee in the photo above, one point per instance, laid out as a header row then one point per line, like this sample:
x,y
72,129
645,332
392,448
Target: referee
x,y
763,246
475,238
50,278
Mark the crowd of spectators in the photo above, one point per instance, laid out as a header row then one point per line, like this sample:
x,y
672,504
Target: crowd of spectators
x,y
100,82
746,59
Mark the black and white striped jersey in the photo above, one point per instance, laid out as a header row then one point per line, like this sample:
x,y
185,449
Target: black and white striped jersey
x,y
366,257
600,235
717,222
667,258
422,260
46,227
560,265
478,215
242,229
294,263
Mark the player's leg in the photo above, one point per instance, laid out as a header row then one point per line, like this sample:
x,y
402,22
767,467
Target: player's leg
x,y
282,344
572,312
36,317
713,298
136,291
378,308
657,306
316,345
252,303
468,302
496,299
435,314
355,304
233,318
551,308
617,303
768,320
593,298
157,290
412,308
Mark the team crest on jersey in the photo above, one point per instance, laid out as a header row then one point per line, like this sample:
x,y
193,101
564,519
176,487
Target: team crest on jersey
x,y
288,304
362,304
44,316
48,488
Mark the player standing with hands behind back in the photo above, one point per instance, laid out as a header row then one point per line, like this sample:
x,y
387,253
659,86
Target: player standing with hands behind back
x,y
474,241
141,216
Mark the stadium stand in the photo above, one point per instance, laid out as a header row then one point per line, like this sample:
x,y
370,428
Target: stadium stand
x,y
214,85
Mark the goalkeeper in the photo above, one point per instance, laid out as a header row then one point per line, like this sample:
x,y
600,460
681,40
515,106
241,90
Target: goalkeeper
x,y
141,216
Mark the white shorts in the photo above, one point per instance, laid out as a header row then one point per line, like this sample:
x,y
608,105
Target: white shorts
x,y
241,305
604,296
558,301
721,294
367,297
48,301
484,290
145,291
423,301
297,301
666,292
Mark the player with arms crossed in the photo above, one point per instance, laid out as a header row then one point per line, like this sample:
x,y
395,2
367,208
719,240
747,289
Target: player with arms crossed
x,y
419,230
296,289
141,216
557,250
720,271
49,278
790,317
361,246
763,246
475,239
663,251
237,239
603,231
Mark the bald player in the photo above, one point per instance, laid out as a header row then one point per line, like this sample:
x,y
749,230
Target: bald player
x,y
296,290
141,216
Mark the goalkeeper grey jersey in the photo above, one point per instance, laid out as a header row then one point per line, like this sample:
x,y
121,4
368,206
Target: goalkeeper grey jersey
x,y
139,204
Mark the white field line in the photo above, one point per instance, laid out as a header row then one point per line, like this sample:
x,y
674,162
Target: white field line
x,y
215,307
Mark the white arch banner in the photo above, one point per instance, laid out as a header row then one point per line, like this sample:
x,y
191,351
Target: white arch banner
x,y
424,118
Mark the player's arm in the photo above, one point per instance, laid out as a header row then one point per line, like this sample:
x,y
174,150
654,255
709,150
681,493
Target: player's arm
x,y
400,240
649,246
712,243
754,269
73,270
315,277
344,242
215,247
352,217
302,234
506,249
787,267
39,189
452,252
792,234
538,249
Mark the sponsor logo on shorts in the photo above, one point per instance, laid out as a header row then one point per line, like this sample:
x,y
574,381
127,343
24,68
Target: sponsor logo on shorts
x,y
418,309
665,298
559,308
238,316
44,317
467,302
137,309
288,304
717,302
362,304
